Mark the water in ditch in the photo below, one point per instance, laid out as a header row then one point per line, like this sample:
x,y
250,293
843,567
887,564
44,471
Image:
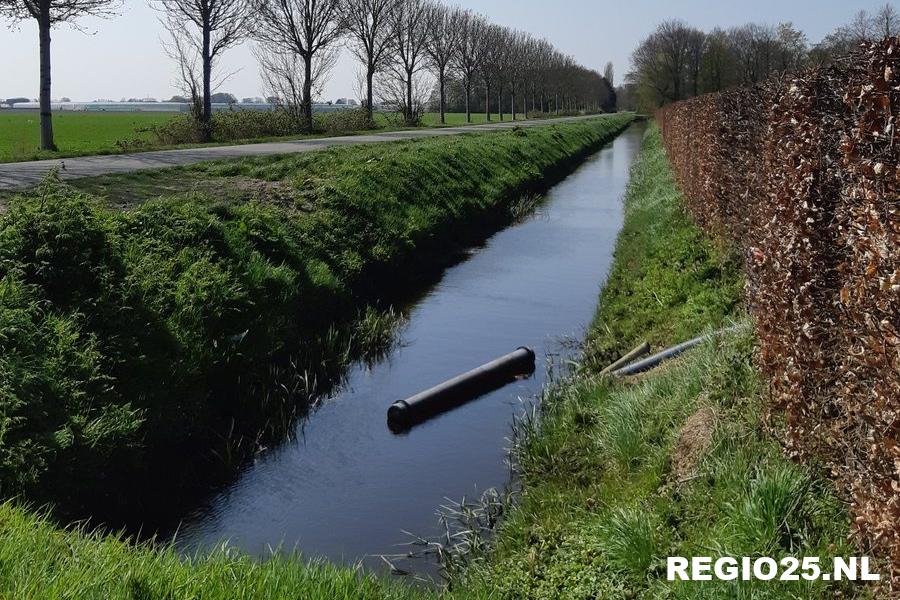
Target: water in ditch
x,y
346,488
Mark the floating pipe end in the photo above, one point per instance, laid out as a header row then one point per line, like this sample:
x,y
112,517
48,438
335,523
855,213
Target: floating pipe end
x,y
530,360
398,416
402,415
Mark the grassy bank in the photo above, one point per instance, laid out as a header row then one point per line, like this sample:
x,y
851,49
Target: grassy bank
x,y
126,333
39,561
678,462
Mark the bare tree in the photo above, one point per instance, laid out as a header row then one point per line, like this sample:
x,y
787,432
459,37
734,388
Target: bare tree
x,y
283,75
609,73
529,72
886,21
755,48
369,25
861,28
660,63
556,75
503,40
543,57
49,14
515,68
205,29
308,28
696,48
792,47
490,63
410,40
717,71
468,55
394,92
443,29
184,54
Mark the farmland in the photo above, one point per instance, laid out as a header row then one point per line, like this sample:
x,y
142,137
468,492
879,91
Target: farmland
x,y
85,133
78,133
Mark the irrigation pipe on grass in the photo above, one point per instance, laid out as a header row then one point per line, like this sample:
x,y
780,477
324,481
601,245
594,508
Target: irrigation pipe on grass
x,y
653,361
632,356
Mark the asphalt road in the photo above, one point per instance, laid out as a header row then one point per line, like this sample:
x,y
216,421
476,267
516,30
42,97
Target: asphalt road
x,y
25,174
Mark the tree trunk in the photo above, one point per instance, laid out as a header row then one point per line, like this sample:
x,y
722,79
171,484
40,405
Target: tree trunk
x,y
512,103
409,99
307,93
487,102
533,99
500,103
468,87
370,73
47,142
442,100
206,115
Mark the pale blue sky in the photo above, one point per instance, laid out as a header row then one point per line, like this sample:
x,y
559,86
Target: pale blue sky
x,y
122,57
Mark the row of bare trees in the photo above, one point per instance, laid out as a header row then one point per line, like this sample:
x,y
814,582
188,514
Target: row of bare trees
x,y
408,47
677,61
405,48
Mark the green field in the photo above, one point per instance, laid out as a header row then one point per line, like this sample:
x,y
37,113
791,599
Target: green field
x,y
76,133
83,133
433,119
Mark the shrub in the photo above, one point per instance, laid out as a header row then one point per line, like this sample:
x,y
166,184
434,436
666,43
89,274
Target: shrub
x,y
343,121
237,125
802,174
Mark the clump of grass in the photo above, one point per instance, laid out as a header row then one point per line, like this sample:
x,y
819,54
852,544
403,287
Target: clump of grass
x,y
376,331
523,206
770,505
631,540
622,433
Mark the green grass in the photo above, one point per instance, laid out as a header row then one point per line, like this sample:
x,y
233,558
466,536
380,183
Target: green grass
x,y
76,133
456,119
609,490
86,133
668,282
39,561
125,327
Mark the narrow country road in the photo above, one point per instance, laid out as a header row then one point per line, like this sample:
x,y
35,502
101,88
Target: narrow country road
x,y
25,174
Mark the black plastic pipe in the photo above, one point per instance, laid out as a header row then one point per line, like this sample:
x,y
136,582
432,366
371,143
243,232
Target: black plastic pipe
x,y
404,414
652,361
